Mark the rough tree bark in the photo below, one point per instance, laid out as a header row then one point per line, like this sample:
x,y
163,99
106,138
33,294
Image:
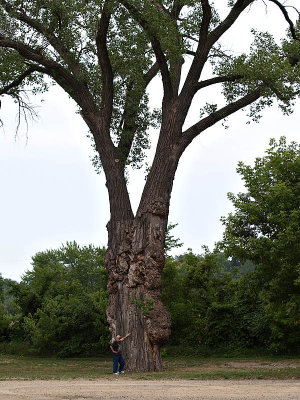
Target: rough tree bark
x,y
134,261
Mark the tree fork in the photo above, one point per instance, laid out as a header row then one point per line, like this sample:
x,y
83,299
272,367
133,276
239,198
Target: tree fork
x,y
135,260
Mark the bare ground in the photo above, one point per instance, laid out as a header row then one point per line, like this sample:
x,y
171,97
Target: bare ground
x,y
129,389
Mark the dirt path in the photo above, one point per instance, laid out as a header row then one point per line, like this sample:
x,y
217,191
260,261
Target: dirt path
x,y
118,389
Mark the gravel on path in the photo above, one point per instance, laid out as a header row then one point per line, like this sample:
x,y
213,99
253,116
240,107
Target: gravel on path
x,y
118,389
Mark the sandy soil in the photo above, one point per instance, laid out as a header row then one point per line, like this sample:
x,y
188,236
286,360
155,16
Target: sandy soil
x,y
118,389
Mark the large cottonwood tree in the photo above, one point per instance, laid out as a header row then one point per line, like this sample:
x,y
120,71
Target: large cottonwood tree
x,y
104,54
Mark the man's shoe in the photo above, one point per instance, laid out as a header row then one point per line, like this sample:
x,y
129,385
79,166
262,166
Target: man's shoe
x,y
116,373
122,372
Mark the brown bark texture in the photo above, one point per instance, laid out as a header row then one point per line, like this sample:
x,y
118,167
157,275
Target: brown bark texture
x,y
135,255
134,262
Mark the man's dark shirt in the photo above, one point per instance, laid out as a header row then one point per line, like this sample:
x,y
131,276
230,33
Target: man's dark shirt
x,y
116,346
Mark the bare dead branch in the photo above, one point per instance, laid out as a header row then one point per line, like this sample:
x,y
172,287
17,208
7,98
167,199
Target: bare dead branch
x,y
25,110
294,8
287,17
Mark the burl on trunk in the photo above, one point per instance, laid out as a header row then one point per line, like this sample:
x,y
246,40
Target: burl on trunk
x,y
134,262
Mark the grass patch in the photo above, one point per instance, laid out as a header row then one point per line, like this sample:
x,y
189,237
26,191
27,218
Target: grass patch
x,y
28,368
25,367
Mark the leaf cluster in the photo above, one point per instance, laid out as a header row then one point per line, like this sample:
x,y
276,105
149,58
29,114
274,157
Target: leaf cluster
x,y
267,65
265,229
62,301
213,305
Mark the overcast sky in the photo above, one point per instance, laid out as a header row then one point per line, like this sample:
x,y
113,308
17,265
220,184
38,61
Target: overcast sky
x,y
51,194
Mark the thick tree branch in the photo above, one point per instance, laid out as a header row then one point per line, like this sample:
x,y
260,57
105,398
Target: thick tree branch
x,y
286,16
217,79
105,64
190,53
201,51
235,12
75,88
205,21
151,73
206,42
159,54
120,206
129,117
30,53
128,125
45,32
160,7
217,116
294,60
176,9
176,62
17,82
191,38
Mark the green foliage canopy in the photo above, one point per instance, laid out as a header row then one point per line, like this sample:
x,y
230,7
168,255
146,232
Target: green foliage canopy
x,y
265,229
213,306
82,45
63,300
4,320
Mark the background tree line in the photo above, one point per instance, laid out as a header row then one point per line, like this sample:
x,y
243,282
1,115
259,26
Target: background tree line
x,y
243,295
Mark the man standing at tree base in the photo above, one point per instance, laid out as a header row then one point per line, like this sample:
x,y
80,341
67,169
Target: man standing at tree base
x,y
118,360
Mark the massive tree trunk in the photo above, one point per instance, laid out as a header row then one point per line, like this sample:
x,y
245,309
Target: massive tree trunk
x,y
135,255
134,261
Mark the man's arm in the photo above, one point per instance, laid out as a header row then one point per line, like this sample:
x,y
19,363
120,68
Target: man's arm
x,y
113,350
123,338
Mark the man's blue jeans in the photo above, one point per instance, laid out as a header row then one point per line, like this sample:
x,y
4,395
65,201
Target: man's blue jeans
x,y
118,359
